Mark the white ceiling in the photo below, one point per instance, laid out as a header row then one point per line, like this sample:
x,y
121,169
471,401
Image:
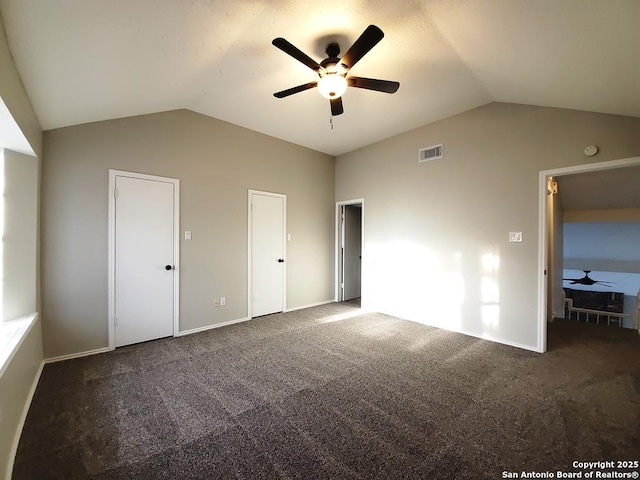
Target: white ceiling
x,y
89,60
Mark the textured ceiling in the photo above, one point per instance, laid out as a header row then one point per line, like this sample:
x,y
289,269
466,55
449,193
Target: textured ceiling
x,y
91,60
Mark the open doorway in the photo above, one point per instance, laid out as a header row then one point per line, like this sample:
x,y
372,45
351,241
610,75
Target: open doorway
x,y
599,199
350,220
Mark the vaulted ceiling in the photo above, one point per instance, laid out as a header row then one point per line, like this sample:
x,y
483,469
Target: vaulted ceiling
x,y
88,60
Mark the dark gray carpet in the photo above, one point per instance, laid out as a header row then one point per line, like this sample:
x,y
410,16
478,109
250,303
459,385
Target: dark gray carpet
x,y
330,392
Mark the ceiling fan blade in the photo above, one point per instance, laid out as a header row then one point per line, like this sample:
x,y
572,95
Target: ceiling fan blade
x,y
336,106
291,91
292,50
373,84
365,42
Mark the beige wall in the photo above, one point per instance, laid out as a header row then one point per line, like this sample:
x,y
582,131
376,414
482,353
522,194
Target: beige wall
x,y
19,297
436,234
15,97
216,163
16,385
610,215
17,380
19,242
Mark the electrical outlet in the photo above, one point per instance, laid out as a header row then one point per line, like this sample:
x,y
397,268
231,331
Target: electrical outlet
x,y
216,302
223,301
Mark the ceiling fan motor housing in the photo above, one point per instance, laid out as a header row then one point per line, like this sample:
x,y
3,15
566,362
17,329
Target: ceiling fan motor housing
x,y
333,50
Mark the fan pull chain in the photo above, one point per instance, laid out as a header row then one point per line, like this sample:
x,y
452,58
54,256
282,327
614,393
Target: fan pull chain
x,y
331,122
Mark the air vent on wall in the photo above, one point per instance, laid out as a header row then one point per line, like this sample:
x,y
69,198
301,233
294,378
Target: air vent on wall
x,y
430,153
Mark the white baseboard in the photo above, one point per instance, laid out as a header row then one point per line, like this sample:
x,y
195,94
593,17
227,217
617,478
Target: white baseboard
x,y
494,339
476,335
76,355
209,327
309,306
245,319
506,342
23,418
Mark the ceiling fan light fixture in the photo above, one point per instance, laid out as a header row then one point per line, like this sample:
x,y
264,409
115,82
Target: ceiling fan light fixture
x,y
332,85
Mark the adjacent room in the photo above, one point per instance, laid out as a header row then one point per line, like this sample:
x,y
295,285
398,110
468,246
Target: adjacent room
x,y
600,246
331,240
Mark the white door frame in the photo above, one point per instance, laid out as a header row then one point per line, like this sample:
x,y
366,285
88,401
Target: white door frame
x,y
339,205
250,194
543,246
111,268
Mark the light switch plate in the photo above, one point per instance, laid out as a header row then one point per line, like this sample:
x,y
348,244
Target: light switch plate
x,y
515,237
187,235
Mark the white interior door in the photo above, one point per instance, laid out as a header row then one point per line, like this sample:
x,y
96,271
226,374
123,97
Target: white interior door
x,y
144,260
352,238
267,253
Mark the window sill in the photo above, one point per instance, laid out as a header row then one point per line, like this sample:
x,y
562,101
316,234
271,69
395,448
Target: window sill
x,y
12,335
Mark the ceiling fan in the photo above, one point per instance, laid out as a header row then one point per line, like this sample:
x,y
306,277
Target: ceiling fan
x,y
333,70
586,280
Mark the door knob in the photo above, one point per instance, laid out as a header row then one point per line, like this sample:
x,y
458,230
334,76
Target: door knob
x,y
168,267
281,260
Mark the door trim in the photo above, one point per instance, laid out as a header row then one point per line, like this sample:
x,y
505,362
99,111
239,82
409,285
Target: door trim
x,y
339,205
543,244
250,194
111,257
